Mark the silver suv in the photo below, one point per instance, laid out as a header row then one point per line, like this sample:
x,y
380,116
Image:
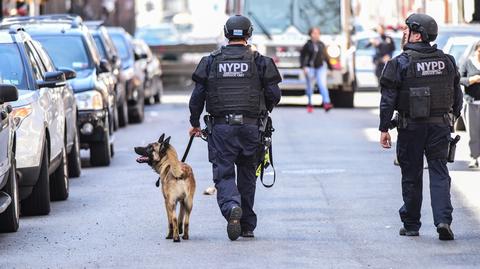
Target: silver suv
x,y
45,115
9,200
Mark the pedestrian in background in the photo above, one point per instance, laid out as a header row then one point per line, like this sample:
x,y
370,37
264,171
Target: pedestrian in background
x,y
384,48
314,61
470,78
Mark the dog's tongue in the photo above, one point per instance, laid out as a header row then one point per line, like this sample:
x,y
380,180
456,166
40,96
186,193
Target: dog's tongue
x,y
142,159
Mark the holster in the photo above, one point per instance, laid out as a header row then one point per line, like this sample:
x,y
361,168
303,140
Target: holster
x,y
452,147
208,123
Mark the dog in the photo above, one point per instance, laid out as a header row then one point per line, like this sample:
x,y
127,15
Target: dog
x,y
178,184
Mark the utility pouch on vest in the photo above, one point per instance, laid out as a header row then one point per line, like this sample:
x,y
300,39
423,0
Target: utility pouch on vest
x,y
419,102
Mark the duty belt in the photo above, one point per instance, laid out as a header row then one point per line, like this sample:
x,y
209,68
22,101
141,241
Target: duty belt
x,y
429,120
227,120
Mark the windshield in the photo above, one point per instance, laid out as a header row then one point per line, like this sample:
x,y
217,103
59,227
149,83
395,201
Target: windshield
x,y
11,69
121,46
100,47
158,32
443,36
277,15
457,51
70,52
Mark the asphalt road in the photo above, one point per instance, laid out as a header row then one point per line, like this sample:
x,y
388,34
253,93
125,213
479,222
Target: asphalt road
x,y
334,206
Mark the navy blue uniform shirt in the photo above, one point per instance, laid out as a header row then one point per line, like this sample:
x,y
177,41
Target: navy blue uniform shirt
x,y
199,94
392,78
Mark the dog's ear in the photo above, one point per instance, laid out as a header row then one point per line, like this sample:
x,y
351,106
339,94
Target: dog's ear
x,y
167,142
160,140
164,146
141,151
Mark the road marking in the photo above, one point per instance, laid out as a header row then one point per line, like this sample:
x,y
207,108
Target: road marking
x,y
312,171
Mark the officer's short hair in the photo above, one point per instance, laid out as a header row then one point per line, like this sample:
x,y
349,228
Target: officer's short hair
x,y
237,39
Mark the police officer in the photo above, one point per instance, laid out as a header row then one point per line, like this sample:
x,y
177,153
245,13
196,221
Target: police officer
x,y
422,84
384,48
238,86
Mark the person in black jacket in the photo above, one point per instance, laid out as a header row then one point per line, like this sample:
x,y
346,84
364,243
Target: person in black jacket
x,y
423,85
239,87
314,62
384,48
470,72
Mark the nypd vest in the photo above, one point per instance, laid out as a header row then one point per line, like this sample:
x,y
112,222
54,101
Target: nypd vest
x,y
233,85
428,85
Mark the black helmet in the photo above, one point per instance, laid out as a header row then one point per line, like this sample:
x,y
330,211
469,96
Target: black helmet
x,y
238,26
423,24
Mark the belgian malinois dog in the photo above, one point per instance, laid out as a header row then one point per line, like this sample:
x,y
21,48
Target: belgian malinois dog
x,y
178,184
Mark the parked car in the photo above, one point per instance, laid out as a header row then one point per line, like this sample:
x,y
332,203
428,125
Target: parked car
x,y
9,198
42,133
150,66
445,32
461,48
364,66
70,44
159,35
134,84
109,53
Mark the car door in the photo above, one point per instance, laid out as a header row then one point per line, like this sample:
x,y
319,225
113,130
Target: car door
x,y
66,93
51,103
4,137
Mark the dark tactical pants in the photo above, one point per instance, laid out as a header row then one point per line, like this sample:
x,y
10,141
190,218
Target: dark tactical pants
x,y
230,146
413,142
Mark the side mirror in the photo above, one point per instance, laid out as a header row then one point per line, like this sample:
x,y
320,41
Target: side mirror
x,y
8,93
52,80
104,66
69,73
140,56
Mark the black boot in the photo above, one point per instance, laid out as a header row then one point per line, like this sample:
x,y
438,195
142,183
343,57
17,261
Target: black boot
x,y
444,232
233,227
405,232
248,234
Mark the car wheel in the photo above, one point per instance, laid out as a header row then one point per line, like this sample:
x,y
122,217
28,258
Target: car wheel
x,y
115,117
158,95
100,151
138,114
38,203
123,114
9,219
74,161
112,150
59,183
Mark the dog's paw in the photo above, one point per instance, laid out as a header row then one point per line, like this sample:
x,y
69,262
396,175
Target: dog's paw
x,y
185,237
176,240
180,230
169,236
209,191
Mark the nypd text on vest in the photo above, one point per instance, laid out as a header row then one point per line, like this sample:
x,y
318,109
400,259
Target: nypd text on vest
x,y
431,68
233,69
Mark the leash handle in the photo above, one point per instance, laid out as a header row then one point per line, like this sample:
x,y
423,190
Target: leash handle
x,y
188,148
262,168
